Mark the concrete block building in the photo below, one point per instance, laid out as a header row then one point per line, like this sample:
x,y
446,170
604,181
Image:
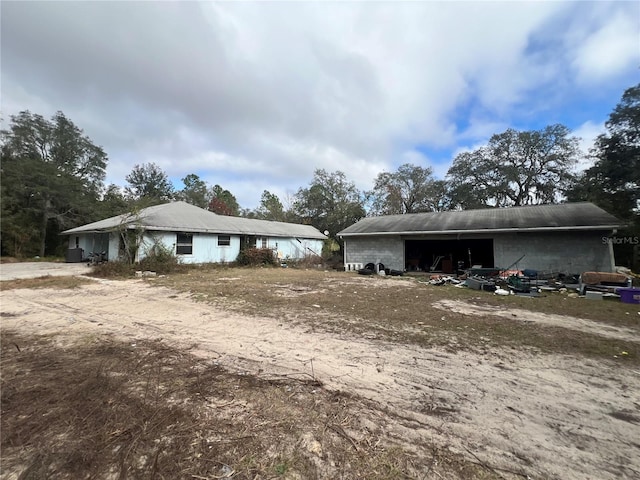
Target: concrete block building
x,y
565,238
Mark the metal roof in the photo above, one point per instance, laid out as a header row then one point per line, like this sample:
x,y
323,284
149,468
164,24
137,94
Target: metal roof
x,y
183,217
565,216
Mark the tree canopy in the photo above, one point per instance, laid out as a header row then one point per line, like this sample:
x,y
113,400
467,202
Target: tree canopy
x,y
515,168
271,208
52,177
223,202
614,180
411,189
148,184
195,191
330,203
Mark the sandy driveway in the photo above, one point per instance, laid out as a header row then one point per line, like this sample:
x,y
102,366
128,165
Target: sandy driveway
x,y
541,416
14,271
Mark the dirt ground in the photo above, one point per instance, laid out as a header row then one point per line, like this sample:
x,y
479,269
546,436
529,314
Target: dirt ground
x,y
523,413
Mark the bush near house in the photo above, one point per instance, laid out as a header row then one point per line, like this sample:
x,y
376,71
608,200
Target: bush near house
x,y
256,256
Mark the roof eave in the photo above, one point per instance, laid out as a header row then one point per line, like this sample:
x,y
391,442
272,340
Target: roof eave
x,y
486,230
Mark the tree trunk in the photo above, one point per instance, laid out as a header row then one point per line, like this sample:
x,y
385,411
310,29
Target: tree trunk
x,y
43,228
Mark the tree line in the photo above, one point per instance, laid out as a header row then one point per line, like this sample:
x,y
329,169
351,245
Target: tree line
x,y
52,179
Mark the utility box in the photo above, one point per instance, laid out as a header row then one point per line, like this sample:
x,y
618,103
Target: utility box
x,y
74,255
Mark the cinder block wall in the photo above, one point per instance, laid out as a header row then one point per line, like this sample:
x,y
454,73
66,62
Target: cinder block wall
x,y
561,252
387,250
564,252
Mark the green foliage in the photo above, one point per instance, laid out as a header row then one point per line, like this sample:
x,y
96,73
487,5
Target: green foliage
x,y
411,189
515,168
113,202
271,208
256,256
330,203
160,258
195,191
148,185
51,179
614,181
223,202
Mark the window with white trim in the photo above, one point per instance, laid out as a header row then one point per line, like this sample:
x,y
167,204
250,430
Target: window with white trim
x,y
184,244
224,240
265,242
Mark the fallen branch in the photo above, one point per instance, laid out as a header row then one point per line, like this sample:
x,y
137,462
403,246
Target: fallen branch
x,y
338,429
496,469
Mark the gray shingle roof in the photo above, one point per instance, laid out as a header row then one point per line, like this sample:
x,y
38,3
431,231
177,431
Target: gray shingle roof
x,y
183,217
566,216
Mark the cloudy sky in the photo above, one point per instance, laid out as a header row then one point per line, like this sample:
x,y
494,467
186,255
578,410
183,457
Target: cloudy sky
x,y
257,95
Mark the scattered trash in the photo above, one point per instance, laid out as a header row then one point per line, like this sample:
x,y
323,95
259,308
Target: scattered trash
x,y
146,273
225,471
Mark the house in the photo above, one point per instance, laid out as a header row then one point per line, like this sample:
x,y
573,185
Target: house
x,y
195,235
565,238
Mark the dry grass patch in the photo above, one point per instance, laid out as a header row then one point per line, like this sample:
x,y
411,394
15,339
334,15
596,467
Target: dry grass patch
x,y
108,409
47,281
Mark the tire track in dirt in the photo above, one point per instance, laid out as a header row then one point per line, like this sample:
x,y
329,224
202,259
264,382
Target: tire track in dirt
x,y
520,315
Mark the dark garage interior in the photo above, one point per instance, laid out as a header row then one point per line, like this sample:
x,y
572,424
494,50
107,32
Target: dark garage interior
x,y
448,256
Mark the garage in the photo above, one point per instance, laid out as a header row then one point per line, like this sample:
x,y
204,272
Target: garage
x,y
567,238
448,256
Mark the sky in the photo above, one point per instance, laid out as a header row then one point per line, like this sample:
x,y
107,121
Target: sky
x,y
256,96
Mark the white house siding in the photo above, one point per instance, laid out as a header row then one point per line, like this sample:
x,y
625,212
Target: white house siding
x,y
205,247
564,252
206,250
292,248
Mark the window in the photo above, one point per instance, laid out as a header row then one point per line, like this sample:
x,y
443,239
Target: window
x,y
264,242
184,244
224,240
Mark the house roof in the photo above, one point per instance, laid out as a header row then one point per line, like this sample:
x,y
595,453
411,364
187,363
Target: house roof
x,y
183,217
566,216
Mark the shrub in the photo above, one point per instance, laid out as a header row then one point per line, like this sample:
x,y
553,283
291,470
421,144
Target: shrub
x,y
115,269
160,259
309,261
256,256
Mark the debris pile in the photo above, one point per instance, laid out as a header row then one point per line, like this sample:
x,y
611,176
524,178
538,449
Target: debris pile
x,y
530,283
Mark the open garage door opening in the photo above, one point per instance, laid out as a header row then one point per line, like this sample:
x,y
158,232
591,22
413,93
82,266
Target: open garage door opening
x,y
448,256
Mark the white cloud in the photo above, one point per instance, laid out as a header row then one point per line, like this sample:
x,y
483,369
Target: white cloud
x,y
587,132
257,96
611,49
